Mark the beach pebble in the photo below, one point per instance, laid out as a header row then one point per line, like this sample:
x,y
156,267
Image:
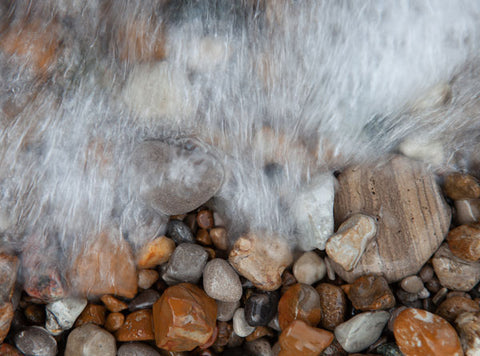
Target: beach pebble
x,y
309,268
186,264
452,307
458,186
205,219
412,284
6,317
370,293
299,302
301,339
468,326
137,349
464,242
35,340
333,305
62,313
8,273
155,252
138,326
260,308
92,313
146,278
467,211
221,282
90,340
219,238
114,321
113,304
240,325
144,300
259,347
225,310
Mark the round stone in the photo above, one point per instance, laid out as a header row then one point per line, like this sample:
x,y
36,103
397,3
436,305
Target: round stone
x,y
221,282
299,302
35,340
309,268
260,308
90,340
240,325
464,242
452,307
186,264
137,349
412,284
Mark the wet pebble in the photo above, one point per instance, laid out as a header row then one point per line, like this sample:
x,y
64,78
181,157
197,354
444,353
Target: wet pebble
x,y
468,326
467,211
146,278
370,293
459,186
309,268
219,238
113,304
92,313
301,339
62,313
240,325
137,327
452,307
205,219
299,302
412,284
137,349
260,308
35,313
464,242
225,310
35,340
260,331
114,321
221,282
155,252
90,340
9,350
179,232
144,300
333,305
426,273
186,264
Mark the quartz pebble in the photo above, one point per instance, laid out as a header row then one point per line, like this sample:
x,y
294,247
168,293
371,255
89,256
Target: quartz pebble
x,y
240,325
361,331
301,339
459,186
419,332
114,321
348,244
179,232
468,326
464,242
90,340
261,259
137,327
333,305
370,293
467,211
225,310
452,307
299,302
8,274
155,252
62,313
260,308
309,268
219,238
147,277
137,349
412,284
144,300
186,264
221,282
113,304
6,317
35,340
92,313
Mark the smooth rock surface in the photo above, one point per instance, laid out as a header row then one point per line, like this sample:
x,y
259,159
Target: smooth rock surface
x,y
113,304
179,232
333,305
219,237
226,310
92,313
90,340
114,321
138,326
309,268
412,284
144,300
468,326
186,264
299,302
155,252
240,325
259,347
370,293
464,242
8,275
35,340
301,339
221,282
458,186
452,307
137,349
62,313
260,308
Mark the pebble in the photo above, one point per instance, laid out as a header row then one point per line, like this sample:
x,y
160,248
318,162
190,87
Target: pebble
x,y
419,332
155,252
44,285
221,282
467,211
458,186
62,313
361,331
219,238
440,295
146,278
408,299
186,264
453,272
203,237
330,269
6,317
301,339
8,275
137,327
113,304
412,284
240,325
370,293
205,219
261,258
177,304
333,305
35,314
137,349
35,340
309,268
299,302
464,242
260,331
259,347
418,227
225,310
426,273
9,350
144,300
92,313
468,326
452,307
348,244
114,321
260,308
90,340
224,332
393,315
179,232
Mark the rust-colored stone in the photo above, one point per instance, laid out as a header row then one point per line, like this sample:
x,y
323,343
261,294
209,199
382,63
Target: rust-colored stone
x,y
299,302
35,314
92,313
205,219
460,186
370,293
113,304
155,252
6,317
203,237
301,339
464,242
138,326
452,307
333,305
9,350
114,321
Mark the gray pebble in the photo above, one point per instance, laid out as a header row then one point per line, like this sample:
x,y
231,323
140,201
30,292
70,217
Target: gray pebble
x,y
240,325
144,300
274,323
221,282
90,340
186,264
225,310
62,313
35,340
179,232
259,347
137,349
412,284
426,273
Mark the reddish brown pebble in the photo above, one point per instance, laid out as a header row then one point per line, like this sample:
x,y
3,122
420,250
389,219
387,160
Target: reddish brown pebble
x,y
418,332
333,305
114,321
260,331
137,327
6,317
205,219
224,331
301,339
219,238
184,317
146,278
35,313
155,252
113,304
203,237
461,186
8,350
371,293
92,313
452,307
299,302
464,242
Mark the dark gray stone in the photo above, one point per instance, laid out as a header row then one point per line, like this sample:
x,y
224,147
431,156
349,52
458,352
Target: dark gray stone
x,y
35,340
186,264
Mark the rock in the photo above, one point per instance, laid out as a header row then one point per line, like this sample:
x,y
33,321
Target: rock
x,y
137,327
92,313
144,300
203,237
35,314
309,268
96,270
313,212
224,332
370,293
9,350
260,308
301,339
299,302
458,186
452,307
347,246
225,310
240,325
418,332
333,305
411,214
146,278
423,149
259,347
221,282
35,340
170,314
260,331
8,275
176,176
453,272
155,252
426,273
45,285
219,238
114,321
361,331
90,340
186,264
389,349
468,326
205,219
464,242
6,317
113,304
137,349
62,314
412,284
467,211
261,259
179,232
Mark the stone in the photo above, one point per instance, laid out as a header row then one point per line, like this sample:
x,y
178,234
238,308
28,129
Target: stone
x,y
184,317
35,314
155,252
96,270
137,349
219,238
146,278
224,332
205,219
45,285
260,308
179,232
426,273
453,272
452,307
186,264
464,242
35,340
221,282
203,237
8,275
260,331
113,304
412,284
259,347
458,186
92,313
411,212
419,332
6,317
176,176
370,293
309,268
361,331
348,244
90,340
62,313
225,310
299,302
137,327
114,321
240,325
301,339
144,300
468,326
467,211
9,350
389,349
261,258
313,212
333,305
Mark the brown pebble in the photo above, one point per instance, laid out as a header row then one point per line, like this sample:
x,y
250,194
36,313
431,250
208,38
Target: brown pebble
x,y
464,242
299,302
301,339
426,273
9,350
224,331
459,186
92,313
288,280
113,304
205,219
468,326
333,304
211,253
371,293
433,285
412,284
260,331
457,293
147,277
452,307
137,327
219,238
114,321
155,252
440,296
203,237
6,317
35,313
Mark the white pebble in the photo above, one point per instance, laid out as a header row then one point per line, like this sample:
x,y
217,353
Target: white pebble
x,y
309,268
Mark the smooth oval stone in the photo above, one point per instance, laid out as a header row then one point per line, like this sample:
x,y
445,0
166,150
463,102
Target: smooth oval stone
x,y
259,347
260,308
114,321
146,278
179,232
240,325
370,293
186,264
221,282
90,340
144,300
309,268
35,340
137,349
412,284
464,242
176,177
301,339
458,186
299,302
137,327
333,305
113,304
225,310
155,252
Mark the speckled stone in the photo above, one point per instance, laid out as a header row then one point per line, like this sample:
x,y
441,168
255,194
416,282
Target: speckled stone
x,y
309,268
137,349
370,293
301,339
260,308
240,325
464,242
90,340
452,307
333,305
35,340
299,302
155,252
186,264
221,282
226,310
